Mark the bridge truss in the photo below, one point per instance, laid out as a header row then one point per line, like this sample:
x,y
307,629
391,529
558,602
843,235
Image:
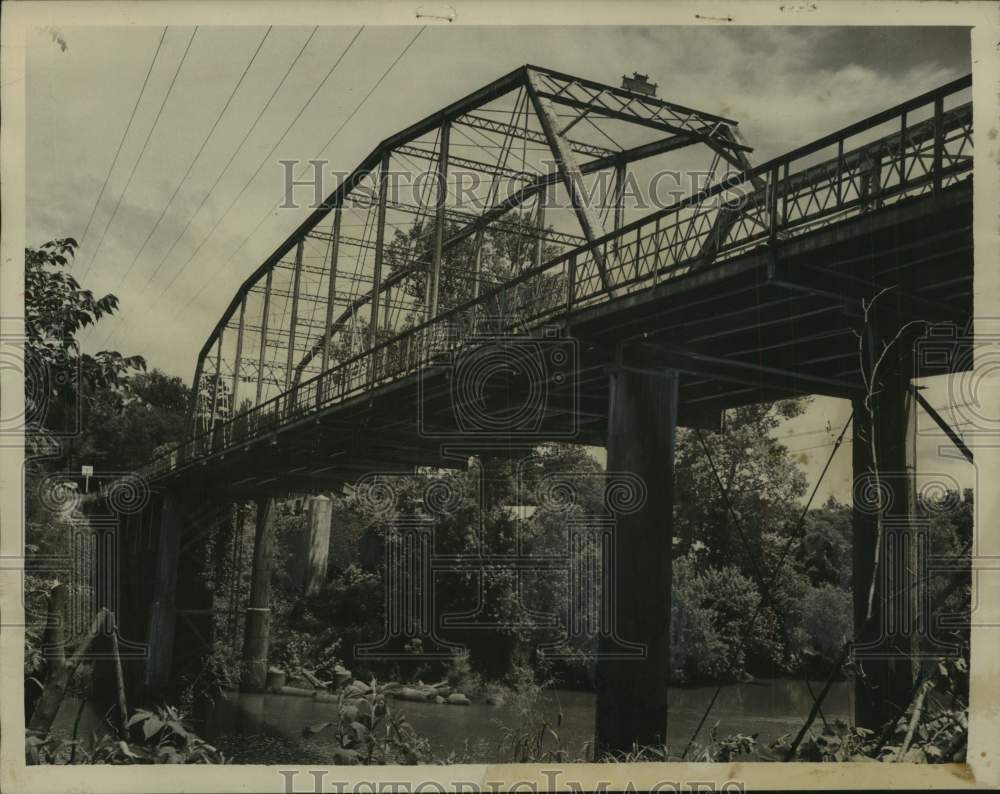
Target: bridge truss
x,y
472,197
519,233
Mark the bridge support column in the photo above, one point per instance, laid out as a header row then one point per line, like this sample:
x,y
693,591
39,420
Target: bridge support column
x,y
632,692
317,542
258,621
163,615
886,568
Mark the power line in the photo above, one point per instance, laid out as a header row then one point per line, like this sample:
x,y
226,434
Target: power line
x,y
221,174
332,137
263,162
128,127
145,143
324,147
200,150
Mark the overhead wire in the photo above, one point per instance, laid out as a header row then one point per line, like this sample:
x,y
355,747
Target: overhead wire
x,y
142,152
353,113
121,143
201,149
265,160
233,156
343,124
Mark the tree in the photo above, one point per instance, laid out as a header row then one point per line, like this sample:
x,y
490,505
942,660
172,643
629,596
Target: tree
x,y
126,427
62,384
824,552
58,376
503,255
762,485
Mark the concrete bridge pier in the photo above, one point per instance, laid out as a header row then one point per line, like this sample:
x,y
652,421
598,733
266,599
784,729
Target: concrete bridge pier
x,y
163,611
632,690
886,536
256,637
180,630
319,517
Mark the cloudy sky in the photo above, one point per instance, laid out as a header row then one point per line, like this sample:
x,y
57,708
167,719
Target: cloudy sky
x,y
175,274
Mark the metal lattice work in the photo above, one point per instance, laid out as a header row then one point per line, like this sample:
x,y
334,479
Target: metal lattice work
x,y
376,283
468,199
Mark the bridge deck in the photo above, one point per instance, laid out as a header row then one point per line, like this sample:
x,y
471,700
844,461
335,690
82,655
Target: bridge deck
x,y
774,322
751,288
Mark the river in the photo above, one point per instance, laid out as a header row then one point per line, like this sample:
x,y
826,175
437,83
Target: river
x,y
768,708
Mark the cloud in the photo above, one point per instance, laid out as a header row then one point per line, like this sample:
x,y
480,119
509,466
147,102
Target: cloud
x,y
786,86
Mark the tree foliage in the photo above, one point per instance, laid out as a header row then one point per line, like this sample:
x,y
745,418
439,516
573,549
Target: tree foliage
x,y
59,376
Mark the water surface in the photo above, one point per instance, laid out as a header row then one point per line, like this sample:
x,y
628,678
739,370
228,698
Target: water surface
x,y
768,708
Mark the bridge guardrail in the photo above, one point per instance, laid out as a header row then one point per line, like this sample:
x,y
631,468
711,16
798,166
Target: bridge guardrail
x,y
782,198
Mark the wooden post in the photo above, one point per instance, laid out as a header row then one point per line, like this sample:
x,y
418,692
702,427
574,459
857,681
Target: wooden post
x,y
163,617
442,197
317,551
632,692
54,638
885,632
258,621
263,336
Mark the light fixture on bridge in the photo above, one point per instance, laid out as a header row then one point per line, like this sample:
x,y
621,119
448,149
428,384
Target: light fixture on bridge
x,y
639,84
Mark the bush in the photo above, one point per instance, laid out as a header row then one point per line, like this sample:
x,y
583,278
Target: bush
x,y
827,620
711,609
160,736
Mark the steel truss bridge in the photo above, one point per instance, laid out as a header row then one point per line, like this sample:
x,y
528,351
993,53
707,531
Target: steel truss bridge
x,y
514,296
314,371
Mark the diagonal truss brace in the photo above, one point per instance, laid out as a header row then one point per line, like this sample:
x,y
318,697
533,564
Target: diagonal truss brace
x,y
571,174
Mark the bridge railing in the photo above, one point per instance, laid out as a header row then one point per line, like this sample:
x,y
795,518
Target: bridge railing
x,y
847,173
929,148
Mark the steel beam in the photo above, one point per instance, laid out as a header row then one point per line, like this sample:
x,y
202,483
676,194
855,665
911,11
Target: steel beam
x,y
383,187
530,135
439,221
649,358
239,358
263,336
572,176
217,382
331,294
947,428
296,281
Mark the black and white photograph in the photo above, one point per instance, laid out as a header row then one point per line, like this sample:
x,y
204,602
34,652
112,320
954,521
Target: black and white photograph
x,y
440,389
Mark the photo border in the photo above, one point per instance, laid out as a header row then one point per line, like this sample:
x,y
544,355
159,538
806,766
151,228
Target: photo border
x,y
983,766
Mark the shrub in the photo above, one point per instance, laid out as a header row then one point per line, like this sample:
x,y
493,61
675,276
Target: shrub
x,y
827,620
711,609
